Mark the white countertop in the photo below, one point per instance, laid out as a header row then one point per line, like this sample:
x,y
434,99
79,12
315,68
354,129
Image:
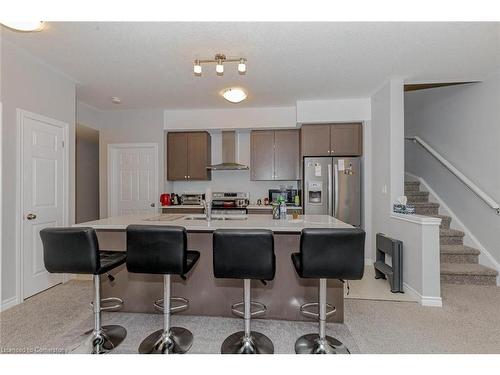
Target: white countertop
x,y
251,222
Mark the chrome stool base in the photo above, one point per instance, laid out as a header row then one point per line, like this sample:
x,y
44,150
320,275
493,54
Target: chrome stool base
x,y
177,341
257,343
107,339
311,344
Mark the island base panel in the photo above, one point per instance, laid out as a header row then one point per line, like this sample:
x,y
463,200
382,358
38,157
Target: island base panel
x,y
213,297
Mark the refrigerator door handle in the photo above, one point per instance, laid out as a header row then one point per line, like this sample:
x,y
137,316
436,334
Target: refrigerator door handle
x,y
336,190
329,192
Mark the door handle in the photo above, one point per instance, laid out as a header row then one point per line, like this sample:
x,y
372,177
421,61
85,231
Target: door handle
x,y
329,191
31,216
336,195
152,204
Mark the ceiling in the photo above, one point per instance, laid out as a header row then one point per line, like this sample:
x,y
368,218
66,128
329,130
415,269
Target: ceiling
x,y
149,64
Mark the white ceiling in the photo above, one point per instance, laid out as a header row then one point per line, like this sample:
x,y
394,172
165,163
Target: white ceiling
x,y
149,65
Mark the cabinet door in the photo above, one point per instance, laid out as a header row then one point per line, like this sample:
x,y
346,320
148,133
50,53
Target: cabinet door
x,y
262,155
177,156
346,140
199,156
286,155
315,140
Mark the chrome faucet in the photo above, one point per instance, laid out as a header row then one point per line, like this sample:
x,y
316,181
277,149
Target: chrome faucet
x,y
207,207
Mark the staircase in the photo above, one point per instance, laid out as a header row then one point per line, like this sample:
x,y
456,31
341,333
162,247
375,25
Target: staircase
x,y
459,263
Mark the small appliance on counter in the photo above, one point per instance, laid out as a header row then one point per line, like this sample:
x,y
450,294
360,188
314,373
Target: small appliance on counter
x,y
165,199
287,194
228,203
192,199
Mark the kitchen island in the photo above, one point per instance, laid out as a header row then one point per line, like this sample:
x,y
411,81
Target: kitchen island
x,y
207,295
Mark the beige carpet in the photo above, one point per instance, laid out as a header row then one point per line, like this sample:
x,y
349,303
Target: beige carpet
x,y
469,322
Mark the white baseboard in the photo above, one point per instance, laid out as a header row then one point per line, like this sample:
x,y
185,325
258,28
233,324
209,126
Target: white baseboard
x,y
8,303
423,300
485,258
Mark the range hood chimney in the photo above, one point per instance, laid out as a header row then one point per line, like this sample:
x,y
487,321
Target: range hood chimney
x,y
228,154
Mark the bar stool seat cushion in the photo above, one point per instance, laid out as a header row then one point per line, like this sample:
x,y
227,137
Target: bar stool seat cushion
x,y
297,263
192,258
110,259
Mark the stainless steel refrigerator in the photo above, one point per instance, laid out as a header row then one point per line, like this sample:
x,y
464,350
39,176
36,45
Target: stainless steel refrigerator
x,y
332,186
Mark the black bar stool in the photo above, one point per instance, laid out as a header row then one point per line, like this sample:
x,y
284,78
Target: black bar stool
x,y
327,254
76,250
162,250
247,255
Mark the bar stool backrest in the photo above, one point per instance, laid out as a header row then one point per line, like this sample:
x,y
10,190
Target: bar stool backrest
x,y
333,253
70,250
244,254
155,249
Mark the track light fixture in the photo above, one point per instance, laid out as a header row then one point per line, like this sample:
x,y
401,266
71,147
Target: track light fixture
x,y
220,59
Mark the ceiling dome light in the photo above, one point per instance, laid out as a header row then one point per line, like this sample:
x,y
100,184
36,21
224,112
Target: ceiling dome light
x,y
242,66
234,95
24,25
197,68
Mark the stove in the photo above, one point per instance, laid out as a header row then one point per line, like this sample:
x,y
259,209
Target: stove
x,y
229,203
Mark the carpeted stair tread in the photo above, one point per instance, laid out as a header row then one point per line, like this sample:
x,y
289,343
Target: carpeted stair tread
x,y
445,221
451,233
417,196
467,269
426,204
412,185
459,250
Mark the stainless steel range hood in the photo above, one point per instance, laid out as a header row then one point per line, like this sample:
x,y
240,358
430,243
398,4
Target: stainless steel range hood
x,y
228,154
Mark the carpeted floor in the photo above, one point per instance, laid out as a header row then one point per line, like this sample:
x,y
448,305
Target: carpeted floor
x,y
54,320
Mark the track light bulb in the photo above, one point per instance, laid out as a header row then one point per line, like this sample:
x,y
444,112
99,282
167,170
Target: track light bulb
x,y
197,68
219,68
242,66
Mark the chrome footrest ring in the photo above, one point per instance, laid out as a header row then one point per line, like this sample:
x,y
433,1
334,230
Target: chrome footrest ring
x,y
261,308
118,303
330,310
184,304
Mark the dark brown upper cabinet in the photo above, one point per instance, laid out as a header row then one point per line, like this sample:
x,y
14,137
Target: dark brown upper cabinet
x,y
274,155
188,156
332,140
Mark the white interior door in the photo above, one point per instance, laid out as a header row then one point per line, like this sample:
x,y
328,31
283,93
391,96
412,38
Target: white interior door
x,y
43,173
133,186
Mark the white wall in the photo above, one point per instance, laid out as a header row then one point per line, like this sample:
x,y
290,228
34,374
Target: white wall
x,y
88,115
462,123
30,85
420,235
204,119
333,110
